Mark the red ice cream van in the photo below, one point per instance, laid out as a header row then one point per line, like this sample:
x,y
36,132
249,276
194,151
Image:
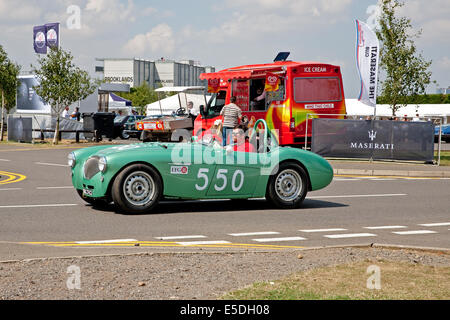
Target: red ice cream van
x,y
282,93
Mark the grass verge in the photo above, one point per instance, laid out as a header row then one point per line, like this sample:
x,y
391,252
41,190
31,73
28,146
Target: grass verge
x,y
398,281
445,158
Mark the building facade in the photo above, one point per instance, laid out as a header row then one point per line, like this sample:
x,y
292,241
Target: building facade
x,y
166,73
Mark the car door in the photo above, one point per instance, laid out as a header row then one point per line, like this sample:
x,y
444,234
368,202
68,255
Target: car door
x,y
236,174
187,175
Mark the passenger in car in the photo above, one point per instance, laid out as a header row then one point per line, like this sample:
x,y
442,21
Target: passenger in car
x,y
241,143
215,131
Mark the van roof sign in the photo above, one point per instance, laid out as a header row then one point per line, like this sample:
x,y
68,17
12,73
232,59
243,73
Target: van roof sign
x,y
281,56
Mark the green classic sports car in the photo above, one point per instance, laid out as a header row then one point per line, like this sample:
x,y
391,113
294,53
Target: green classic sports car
x,y
137,176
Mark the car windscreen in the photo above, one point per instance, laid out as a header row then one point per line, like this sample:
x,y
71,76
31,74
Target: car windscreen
x,y
119,119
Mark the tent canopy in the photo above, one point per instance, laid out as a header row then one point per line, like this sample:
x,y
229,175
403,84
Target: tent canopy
x,y
119,100
179,89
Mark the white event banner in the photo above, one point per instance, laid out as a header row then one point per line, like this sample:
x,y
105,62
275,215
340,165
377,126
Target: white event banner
x,y
367,57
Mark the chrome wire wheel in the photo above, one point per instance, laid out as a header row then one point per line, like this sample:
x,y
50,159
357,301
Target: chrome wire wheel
x,y
139,188
288,185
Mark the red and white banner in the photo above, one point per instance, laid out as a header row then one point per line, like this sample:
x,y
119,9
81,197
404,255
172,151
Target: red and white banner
x,y
272,82
213,85
367,56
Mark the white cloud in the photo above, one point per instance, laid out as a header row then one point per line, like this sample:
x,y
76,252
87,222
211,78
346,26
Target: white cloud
x,y
158,40
148,11
19,11
254,19
436,31
290,7
431,16
444,63
110,11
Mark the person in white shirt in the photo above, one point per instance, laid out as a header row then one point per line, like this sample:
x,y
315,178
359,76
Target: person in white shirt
x,y
65,113
191,109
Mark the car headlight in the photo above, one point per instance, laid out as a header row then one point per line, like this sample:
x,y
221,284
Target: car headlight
x,y
102,164
71,159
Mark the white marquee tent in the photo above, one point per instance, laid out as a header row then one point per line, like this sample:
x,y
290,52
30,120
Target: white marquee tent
x,y
171,104
356,108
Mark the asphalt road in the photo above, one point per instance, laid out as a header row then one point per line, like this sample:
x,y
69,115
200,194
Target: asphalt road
x,y
43,207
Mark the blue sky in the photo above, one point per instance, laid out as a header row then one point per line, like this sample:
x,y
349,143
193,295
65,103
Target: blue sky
x,y
222,33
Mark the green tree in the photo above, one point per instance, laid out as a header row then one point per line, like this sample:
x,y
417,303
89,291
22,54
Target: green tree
x,y
61,83
140,97
8,85
406,71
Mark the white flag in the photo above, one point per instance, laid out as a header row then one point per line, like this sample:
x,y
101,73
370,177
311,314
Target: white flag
x,y
367,56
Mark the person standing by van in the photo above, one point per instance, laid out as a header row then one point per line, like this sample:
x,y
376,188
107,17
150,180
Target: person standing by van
x,y
232,114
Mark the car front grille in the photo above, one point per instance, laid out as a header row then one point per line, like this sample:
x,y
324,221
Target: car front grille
x,y
91,167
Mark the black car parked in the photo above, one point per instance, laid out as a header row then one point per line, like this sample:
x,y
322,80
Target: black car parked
x,y
122,123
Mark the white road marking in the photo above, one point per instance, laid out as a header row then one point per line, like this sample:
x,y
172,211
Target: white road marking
x,y
180,237
442,224
106,241
323,230
253,233
414,232
350,235
48,188
279,239
10,189
5,160
39,205
193,243
52,164
385,227
359,196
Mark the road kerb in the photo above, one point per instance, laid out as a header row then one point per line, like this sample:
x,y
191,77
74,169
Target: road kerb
x,y
392,173
434,250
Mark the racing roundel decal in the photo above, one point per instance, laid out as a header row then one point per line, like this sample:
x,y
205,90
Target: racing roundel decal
x,y
179,170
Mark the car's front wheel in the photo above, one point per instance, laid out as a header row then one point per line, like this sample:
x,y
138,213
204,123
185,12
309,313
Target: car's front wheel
x,y
288,187
137,189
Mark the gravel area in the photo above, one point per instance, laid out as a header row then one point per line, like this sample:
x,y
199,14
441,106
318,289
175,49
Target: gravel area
x,y
165,276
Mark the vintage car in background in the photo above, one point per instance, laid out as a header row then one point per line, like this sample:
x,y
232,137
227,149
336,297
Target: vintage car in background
x,y
130,129
124,123
137,176
172,114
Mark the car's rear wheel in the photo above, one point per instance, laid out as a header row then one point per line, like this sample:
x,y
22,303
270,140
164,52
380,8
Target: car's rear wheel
x,y
123,135
137,189
99,203
288,187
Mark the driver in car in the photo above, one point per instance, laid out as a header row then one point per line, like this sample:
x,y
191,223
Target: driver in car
x,y
241,143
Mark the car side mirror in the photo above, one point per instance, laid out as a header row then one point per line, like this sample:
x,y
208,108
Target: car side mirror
x,y
202,111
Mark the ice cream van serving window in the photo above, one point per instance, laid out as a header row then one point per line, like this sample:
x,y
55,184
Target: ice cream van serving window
x,y
317,90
